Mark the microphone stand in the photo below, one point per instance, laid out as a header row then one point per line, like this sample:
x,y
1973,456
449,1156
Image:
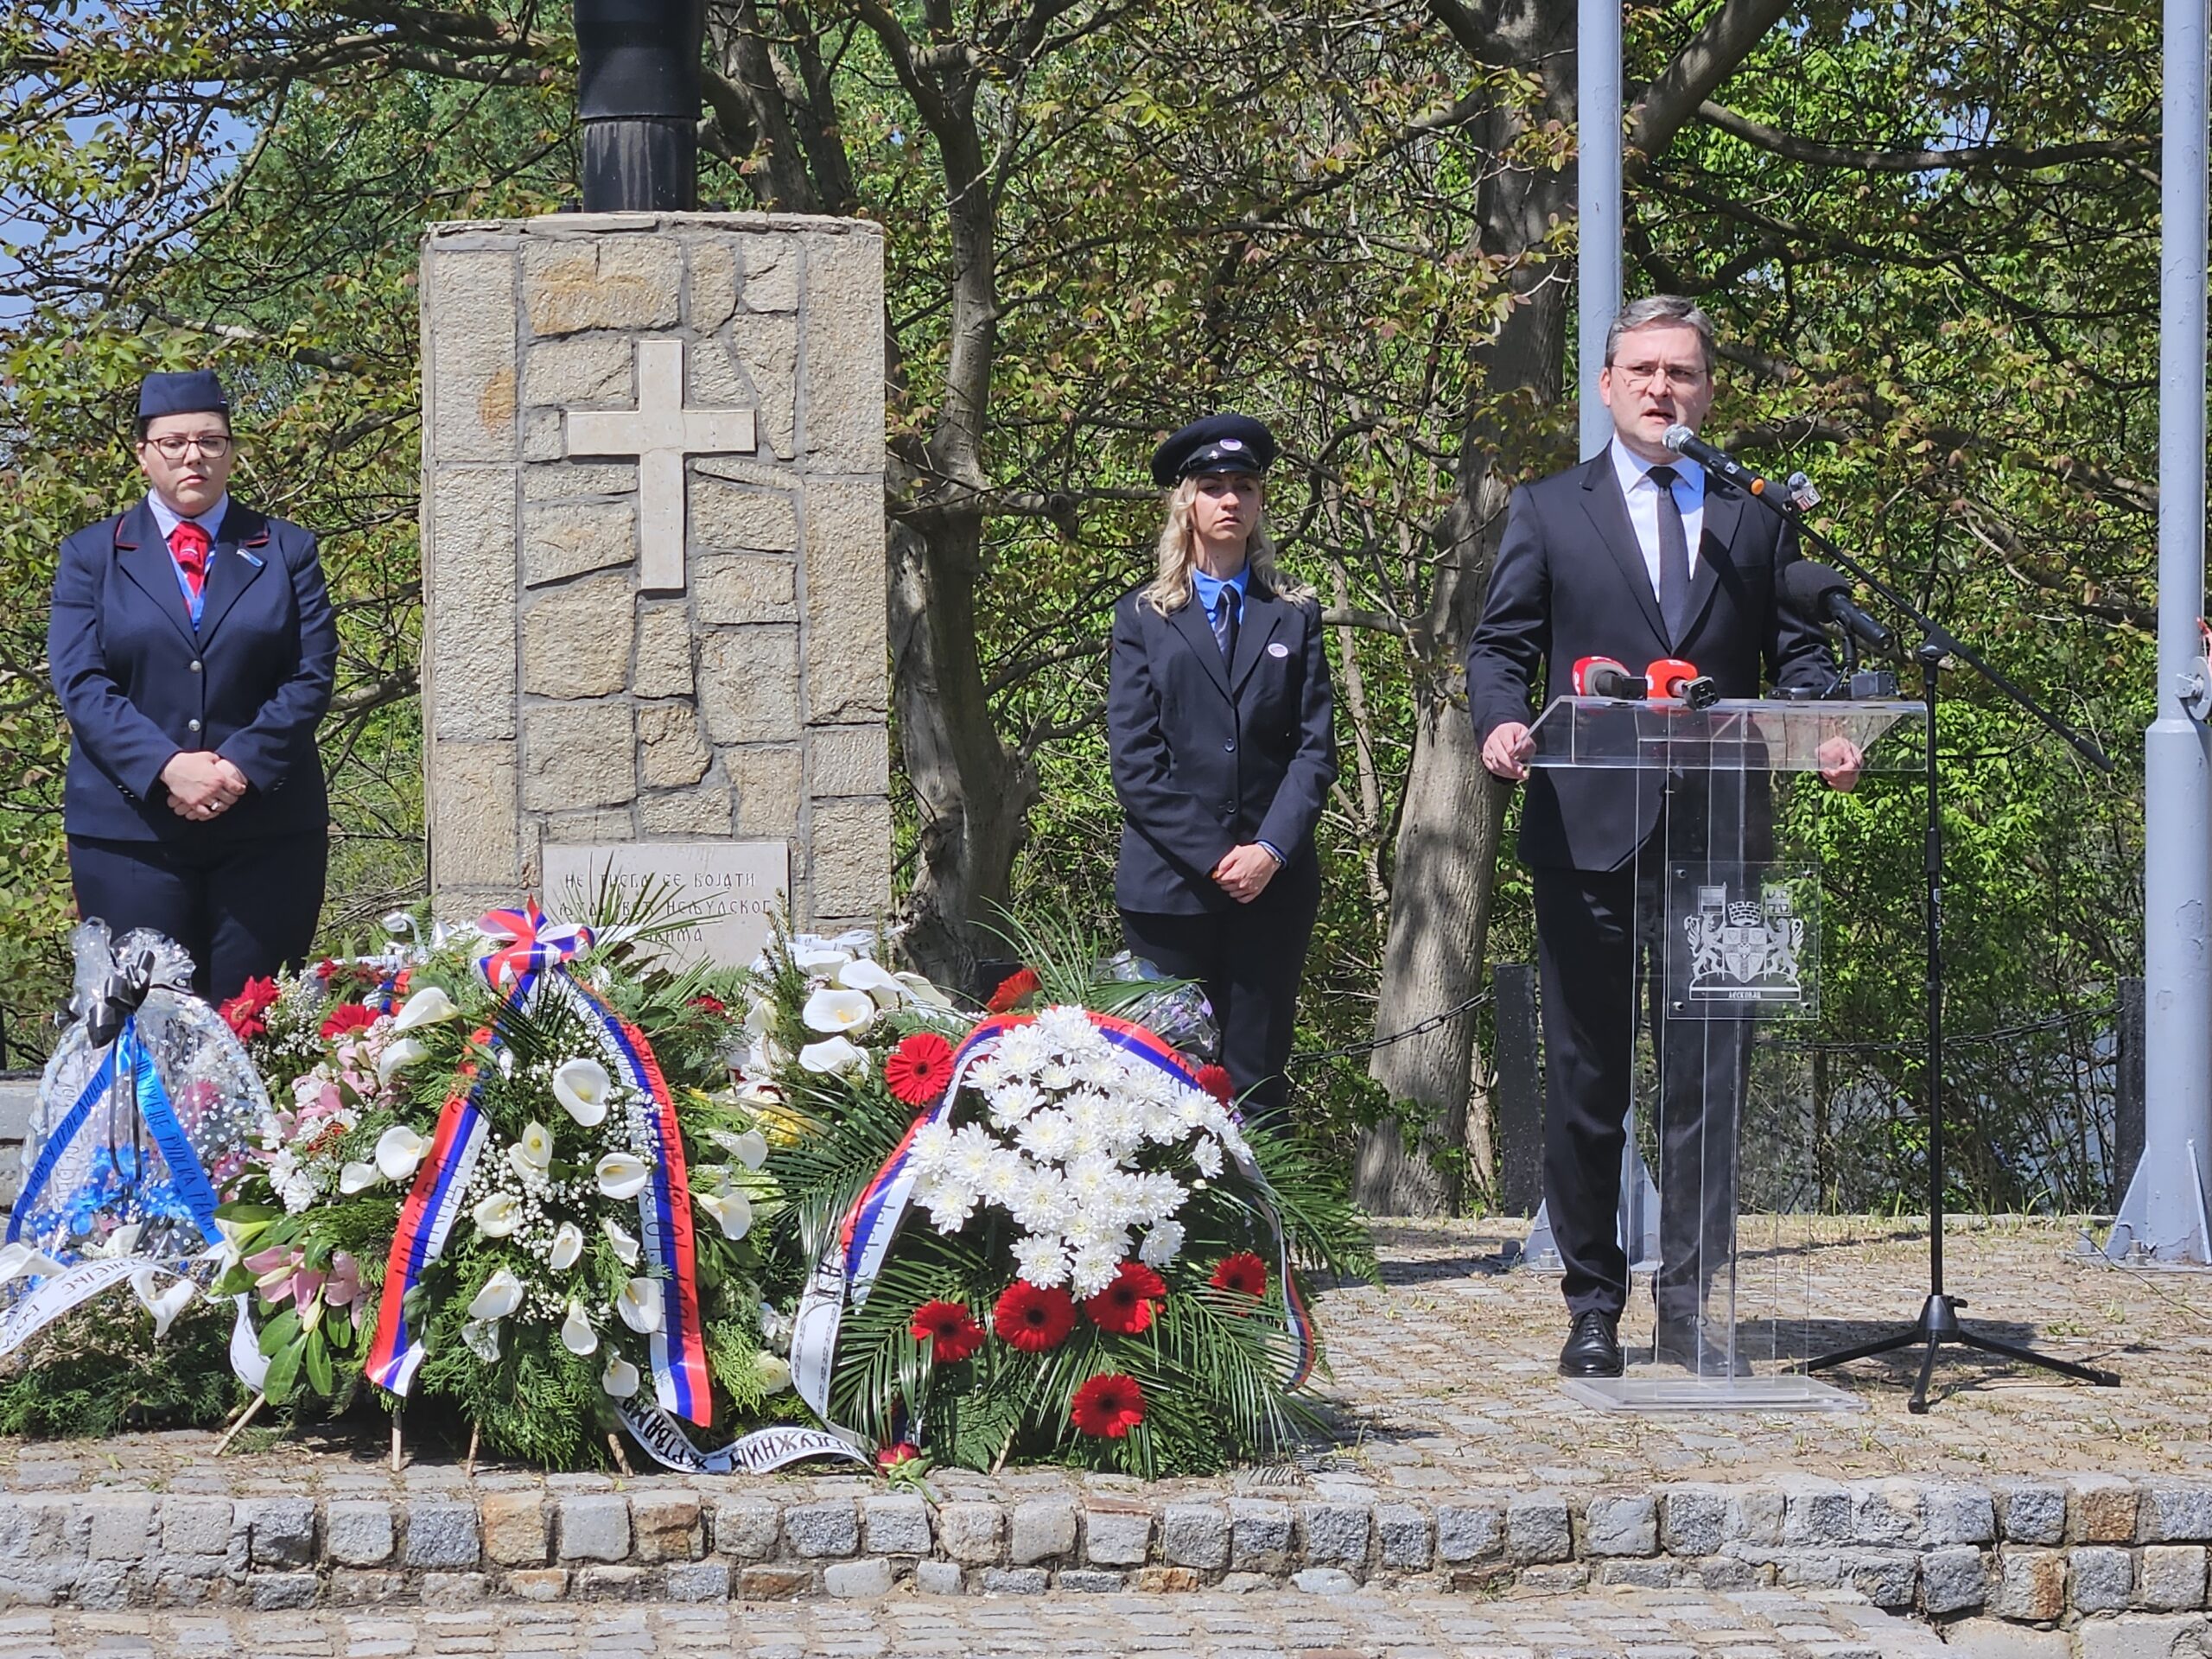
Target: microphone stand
x,y
1938,1324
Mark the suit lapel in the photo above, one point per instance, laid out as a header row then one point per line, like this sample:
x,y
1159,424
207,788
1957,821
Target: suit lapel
x,y
1601,498
234,562
144,556
1190,621
1263,616
1723,507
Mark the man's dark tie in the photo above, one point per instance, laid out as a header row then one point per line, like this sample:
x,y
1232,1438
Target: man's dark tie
x,y
1673,559
1224,618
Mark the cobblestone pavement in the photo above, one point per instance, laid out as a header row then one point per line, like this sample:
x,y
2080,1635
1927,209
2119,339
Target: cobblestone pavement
x,y
1649,1624
1444,1382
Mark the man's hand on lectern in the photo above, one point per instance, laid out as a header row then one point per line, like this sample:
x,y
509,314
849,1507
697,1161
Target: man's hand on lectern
x,y
1841,762
1506,749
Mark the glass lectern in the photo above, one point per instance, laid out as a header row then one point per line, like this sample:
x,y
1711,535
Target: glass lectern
x,y
1728,921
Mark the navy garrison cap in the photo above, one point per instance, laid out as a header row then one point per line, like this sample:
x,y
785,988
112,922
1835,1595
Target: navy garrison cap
x,y
195,391
1219,443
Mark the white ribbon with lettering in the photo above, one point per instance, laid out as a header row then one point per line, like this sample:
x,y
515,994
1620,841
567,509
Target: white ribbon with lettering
x,y
755,1454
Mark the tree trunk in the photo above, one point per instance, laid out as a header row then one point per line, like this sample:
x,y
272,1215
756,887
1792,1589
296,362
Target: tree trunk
x,y
1446,850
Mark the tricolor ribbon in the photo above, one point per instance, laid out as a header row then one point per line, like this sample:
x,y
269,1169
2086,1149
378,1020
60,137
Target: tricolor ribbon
x,y
849,1263
532,945
433,1204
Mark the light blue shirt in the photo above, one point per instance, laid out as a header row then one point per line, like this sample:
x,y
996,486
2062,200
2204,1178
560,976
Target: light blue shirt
x,y
1642,497
167,519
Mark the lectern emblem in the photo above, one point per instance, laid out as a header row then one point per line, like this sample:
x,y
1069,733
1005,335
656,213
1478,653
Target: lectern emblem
x,y
1744,952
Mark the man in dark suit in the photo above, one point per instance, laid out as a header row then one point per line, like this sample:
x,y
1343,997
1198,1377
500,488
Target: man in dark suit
x,y
193,645
1636,556
1220,722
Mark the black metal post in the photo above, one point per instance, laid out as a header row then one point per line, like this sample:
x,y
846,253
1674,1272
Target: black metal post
x,y
637,92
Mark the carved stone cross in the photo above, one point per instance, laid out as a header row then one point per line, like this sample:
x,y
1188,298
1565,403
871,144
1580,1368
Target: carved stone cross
x,y
662,433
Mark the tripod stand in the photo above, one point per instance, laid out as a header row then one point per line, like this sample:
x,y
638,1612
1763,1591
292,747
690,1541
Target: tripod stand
x,y
1938,1324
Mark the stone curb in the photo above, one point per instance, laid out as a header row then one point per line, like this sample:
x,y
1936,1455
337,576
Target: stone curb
x,y
2033,1551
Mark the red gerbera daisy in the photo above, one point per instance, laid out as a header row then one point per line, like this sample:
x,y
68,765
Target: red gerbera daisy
x,y
1126,1306
1036,1321
346,1016
1214,1079
1108,1407
1016,985
917,1070
713,1005
1243,1272
243,1012
950,1330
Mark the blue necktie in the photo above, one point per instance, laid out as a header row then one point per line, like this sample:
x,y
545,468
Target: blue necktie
x,y
1224,623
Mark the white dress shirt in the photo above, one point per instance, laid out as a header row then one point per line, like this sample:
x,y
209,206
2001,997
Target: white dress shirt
x,y
1642,497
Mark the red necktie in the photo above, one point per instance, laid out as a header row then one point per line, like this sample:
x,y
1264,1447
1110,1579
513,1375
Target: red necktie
x,y
188,546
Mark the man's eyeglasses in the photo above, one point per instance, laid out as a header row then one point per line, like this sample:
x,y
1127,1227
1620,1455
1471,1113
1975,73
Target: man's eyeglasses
x,y
1681,379
214,445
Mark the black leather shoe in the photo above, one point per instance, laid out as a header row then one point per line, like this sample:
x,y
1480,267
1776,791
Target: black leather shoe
x,y
1700,1350
1593,1346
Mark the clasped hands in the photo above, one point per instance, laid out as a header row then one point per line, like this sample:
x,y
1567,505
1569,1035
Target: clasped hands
x,y
1506,749
1244,872
202,785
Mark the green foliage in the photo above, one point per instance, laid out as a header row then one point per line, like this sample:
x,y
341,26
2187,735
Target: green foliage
x,y
95,1373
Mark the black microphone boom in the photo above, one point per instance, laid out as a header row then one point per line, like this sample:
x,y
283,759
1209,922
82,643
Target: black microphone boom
x,y
1821,592
1713,459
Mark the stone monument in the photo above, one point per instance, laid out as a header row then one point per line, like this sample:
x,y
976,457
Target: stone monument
x,y
652,561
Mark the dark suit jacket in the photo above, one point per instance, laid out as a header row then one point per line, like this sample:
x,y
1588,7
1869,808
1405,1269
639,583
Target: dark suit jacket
x,y
1569,583
139,684
1209,756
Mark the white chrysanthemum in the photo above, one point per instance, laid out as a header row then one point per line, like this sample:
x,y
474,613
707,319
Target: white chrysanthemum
x,y
1023,1050
1057,1076
1013,1101
1159,1196
1092,1180
1048,1136
1101,1071
1040,1203
1161,1244
987,1073
949,1202
1065,1028
931,1152
1042,1259
1001,1182
973,1154
1205,1152
1091,1268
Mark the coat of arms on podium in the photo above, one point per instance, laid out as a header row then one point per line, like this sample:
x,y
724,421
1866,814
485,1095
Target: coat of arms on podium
x,y
1743,943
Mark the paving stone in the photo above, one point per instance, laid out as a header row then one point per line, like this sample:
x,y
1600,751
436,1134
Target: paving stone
x,y
2031,1511
1404,1532
190,1526
1692,1519
1467,1532
1325,1581
1337,1534
665,1526
1538,1530
1117,1537
1088,1581
748,1529
697,1581
2030,1584
896,1525
517,1532
121,1526
358,1534
938,1577
970,1532
2169,1578
1194,1534
866,1577
1260,1534
1953,1579
2102,1578
282,1530
594,1527
442,1534
1622,1526
2100,1509
2173,1512
1016,1581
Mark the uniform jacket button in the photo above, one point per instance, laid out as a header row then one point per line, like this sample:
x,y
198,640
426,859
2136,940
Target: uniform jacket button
x,y
192,724
1230,746
195,664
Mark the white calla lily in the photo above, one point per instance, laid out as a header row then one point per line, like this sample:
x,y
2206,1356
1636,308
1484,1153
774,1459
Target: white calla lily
x,y
876,979
498,1214
567,1247
761,1018
775,1372
621,1175
731,1211
163,1305
922,992
822,960
398,1056
832,1055
626,1250
839,1011
750,1148
501,1295
398,1150
581,1085
481,1338
640,1304
576,1334
122,1242
27,1261
357,1177
429,1006
533,1151
620,1379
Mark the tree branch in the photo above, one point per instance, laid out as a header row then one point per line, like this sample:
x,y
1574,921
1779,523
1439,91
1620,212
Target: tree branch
x,y
1792,148
1709,58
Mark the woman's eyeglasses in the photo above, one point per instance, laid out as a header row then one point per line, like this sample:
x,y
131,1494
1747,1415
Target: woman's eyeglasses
x,y
214,445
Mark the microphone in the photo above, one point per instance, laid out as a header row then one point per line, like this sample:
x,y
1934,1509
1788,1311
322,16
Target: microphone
x,y
1601,676
1823,594
1670,677
1713,459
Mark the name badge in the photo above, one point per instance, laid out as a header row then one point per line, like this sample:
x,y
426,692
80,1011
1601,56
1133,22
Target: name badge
x,y
1278,649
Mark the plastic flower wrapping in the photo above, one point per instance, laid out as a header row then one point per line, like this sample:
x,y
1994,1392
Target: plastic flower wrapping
x,y
1015,1224
148,1104
519,1179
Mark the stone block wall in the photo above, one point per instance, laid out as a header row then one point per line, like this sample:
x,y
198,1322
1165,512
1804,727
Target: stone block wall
x,y
563,699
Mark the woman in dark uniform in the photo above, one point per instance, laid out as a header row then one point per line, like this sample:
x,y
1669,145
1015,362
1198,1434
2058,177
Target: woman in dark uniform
x,y
1221,723
193,645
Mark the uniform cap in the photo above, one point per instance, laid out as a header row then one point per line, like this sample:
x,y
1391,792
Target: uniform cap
x,y
193,391
1219,443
